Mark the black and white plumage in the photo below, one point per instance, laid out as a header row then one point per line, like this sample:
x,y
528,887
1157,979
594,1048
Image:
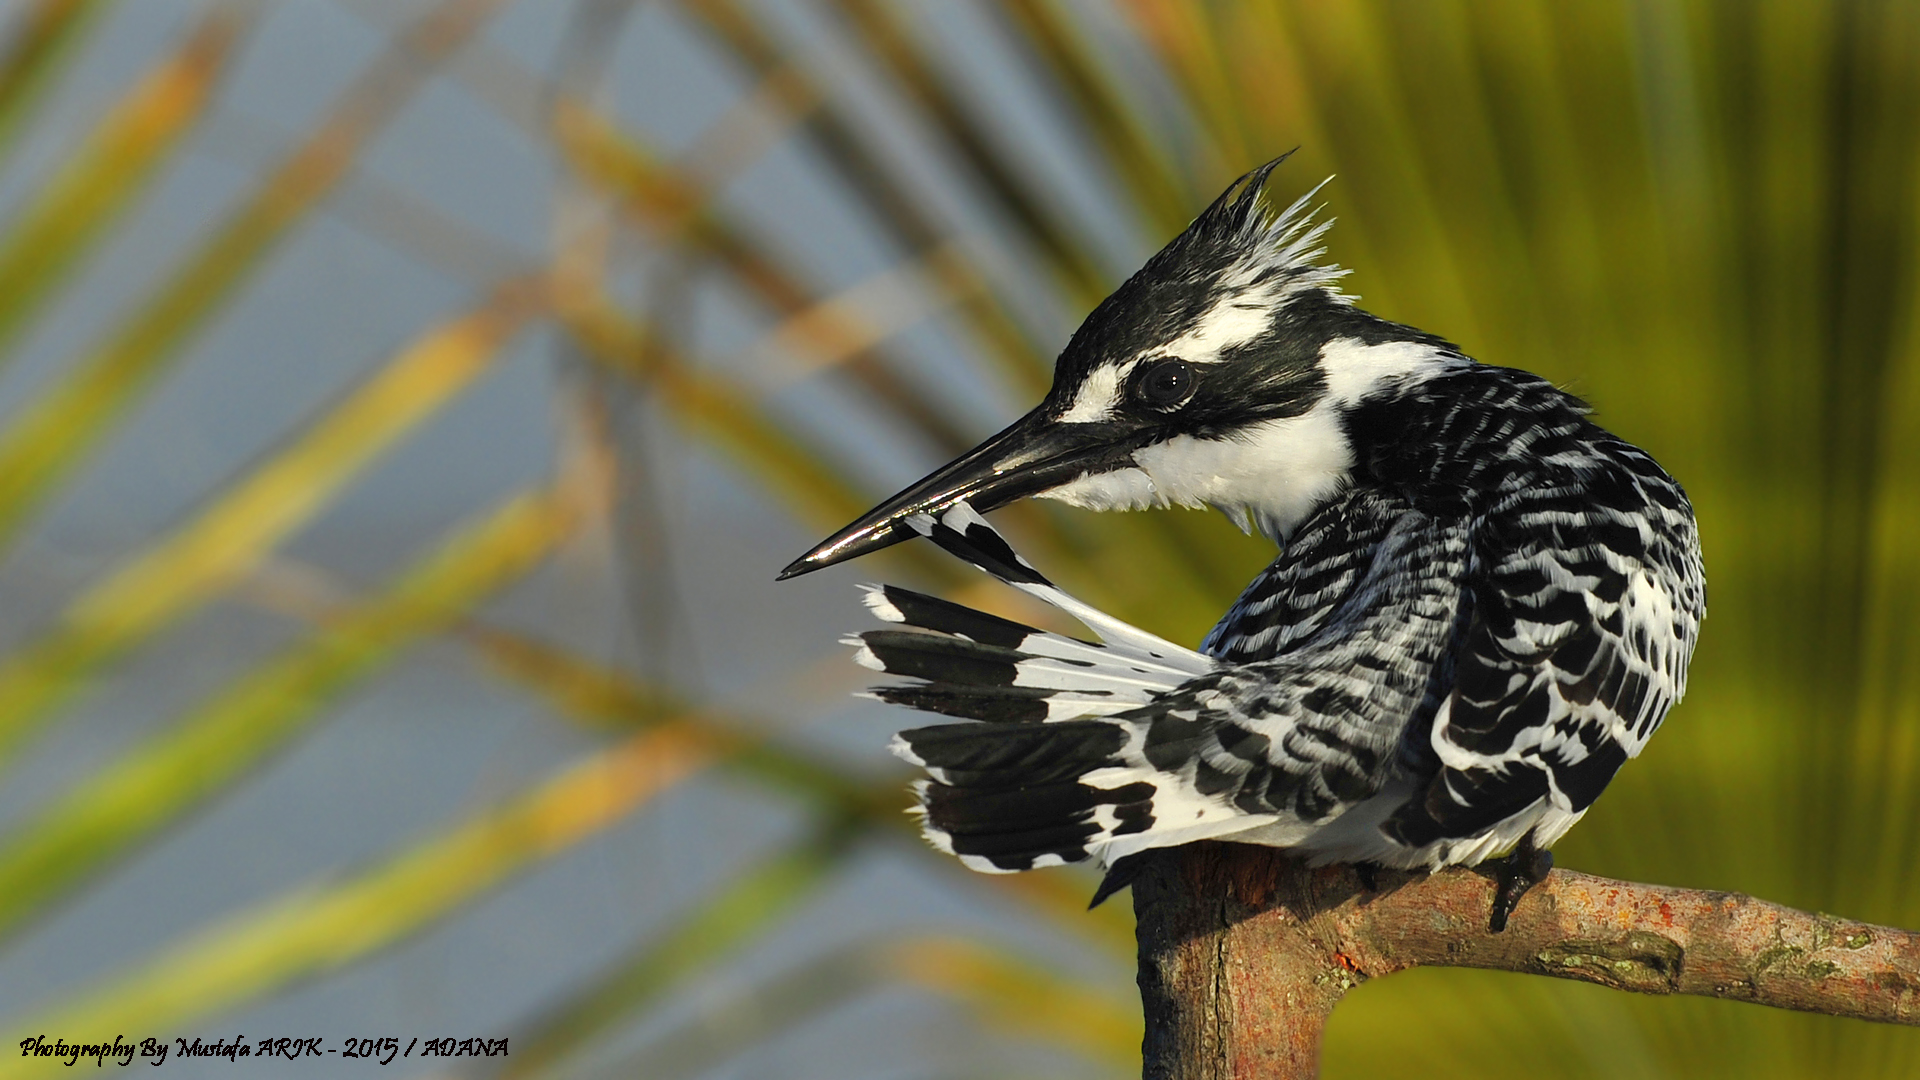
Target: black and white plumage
x,y
1483,604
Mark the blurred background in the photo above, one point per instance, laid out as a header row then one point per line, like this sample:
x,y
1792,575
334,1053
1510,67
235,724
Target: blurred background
x,y
406,407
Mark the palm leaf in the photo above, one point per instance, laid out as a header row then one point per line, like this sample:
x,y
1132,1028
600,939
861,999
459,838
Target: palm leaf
x,y
603,698
42,39
880,188
1157,182
1018,995
52,434
77,206
1009,996
229,537
726,414
890,42
740,912
326,926
161,778
741,1020
675,205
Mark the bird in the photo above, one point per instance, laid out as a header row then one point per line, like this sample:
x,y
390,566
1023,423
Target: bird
x,y
1483,603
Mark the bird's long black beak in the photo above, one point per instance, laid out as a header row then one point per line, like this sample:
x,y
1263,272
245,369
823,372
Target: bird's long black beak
x,y
1035,453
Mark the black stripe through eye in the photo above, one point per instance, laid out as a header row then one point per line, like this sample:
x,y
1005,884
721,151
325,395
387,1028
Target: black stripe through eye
x,y
1165,383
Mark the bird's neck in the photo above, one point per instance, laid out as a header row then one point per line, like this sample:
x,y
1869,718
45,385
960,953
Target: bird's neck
x,y
1273,475
1444,439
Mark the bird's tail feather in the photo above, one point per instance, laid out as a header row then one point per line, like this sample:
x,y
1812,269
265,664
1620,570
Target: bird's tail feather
x,y
1048,779
961,531
982,667
1005,799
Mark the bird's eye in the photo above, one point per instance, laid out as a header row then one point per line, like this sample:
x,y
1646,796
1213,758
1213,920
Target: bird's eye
x,y
1166,383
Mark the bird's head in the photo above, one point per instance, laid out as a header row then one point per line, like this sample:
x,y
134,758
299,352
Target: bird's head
x,y
1218,375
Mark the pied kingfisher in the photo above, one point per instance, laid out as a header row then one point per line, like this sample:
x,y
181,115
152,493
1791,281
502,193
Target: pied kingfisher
x,y
1483,603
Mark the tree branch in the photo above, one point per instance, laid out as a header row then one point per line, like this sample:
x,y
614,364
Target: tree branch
x,y
1244,952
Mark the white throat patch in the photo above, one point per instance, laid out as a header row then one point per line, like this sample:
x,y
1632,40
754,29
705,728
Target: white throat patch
x,y
1268,477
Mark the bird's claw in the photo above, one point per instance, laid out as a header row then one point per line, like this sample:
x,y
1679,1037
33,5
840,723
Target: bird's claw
x,y
1526,867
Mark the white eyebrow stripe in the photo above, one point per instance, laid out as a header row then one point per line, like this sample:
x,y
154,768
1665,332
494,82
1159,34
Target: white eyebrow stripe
x,y
1235,320
1099,396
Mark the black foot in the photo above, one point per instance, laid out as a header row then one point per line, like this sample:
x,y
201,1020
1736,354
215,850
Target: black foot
x,y
1526,867
1369,875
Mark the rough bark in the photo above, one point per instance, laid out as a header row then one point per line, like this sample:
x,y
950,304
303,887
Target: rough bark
x,y
1244,952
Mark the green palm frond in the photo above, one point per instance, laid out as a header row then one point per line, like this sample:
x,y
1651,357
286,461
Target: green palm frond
x,y
314,930
48,438
207,555
214,745
76,206
41,41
